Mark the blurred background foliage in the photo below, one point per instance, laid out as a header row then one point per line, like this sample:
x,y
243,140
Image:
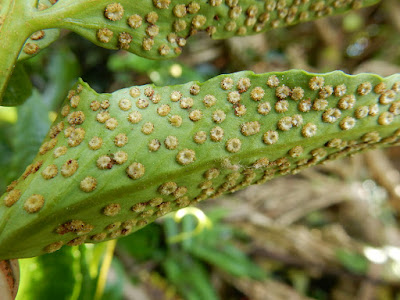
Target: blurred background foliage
x,y
331,232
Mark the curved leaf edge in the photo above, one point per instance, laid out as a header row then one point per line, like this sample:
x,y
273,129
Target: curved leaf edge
x,y
62,193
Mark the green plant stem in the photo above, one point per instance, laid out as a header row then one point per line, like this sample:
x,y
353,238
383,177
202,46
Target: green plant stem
x,y
17,27
105,267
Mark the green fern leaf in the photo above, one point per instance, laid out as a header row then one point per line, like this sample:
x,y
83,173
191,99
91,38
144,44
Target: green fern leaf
x,y
113,163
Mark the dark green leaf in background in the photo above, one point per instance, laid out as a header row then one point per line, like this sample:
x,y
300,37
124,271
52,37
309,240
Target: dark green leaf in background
x,y
29,132
354,262
51,276
189,277
6,153
144,244
69,274
62,70
164,72
19,87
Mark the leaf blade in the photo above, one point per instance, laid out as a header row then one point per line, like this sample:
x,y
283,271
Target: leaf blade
x,y
159,29
170,167
37,42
